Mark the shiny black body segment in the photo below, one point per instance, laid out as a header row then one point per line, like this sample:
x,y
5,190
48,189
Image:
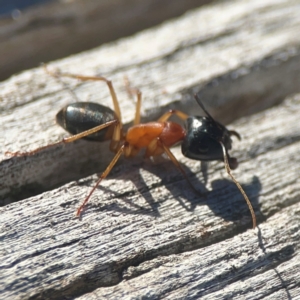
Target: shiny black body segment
x,y
81,116
204,137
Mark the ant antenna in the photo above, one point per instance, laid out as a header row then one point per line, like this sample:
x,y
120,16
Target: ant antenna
x,y
227,168
203,108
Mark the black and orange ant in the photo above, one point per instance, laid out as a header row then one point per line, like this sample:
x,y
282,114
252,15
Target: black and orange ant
x,y
202,139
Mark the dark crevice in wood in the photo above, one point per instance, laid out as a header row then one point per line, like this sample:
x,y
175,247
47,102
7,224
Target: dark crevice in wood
x,y
251,89
272,143
88,282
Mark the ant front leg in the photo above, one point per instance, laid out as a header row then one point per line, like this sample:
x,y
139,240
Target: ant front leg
x,y
177,164
157,147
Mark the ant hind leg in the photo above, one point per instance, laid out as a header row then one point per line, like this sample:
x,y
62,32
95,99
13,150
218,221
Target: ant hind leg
x,y
95,78
70,139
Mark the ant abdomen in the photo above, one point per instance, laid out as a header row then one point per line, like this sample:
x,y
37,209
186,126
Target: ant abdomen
x,y
81,116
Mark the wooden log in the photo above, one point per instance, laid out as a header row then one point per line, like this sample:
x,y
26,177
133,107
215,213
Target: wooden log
x,y
145,233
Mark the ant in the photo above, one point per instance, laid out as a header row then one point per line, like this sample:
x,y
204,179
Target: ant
x,y
202,139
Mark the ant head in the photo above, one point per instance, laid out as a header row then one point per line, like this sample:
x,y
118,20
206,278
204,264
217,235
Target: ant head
x,y
207,139
204,136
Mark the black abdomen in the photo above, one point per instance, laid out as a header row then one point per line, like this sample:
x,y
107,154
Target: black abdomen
x,y
81,116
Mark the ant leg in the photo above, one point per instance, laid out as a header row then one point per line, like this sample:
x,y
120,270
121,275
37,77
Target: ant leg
x,y
238,185
116,137
137,117
96,78
171,112
66,140
157,147
60,81
163,118
134,91
103,175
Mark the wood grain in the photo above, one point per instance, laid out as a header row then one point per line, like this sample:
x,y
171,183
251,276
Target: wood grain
x,y
60,28
145,233
236,268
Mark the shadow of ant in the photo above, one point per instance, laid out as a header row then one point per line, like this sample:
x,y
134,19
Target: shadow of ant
x,y
181,191
234,210
282,254
236,207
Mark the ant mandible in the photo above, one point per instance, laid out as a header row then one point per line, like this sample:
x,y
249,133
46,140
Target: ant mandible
x,y
203,138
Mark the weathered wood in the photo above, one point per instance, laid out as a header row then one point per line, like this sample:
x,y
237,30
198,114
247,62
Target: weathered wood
x,y
143,219
182,60
144,211
60,28
233,269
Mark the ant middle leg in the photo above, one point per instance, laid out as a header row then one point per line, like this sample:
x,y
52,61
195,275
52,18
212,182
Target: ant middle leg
x,y
172,112
132,91
125,149
103,176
